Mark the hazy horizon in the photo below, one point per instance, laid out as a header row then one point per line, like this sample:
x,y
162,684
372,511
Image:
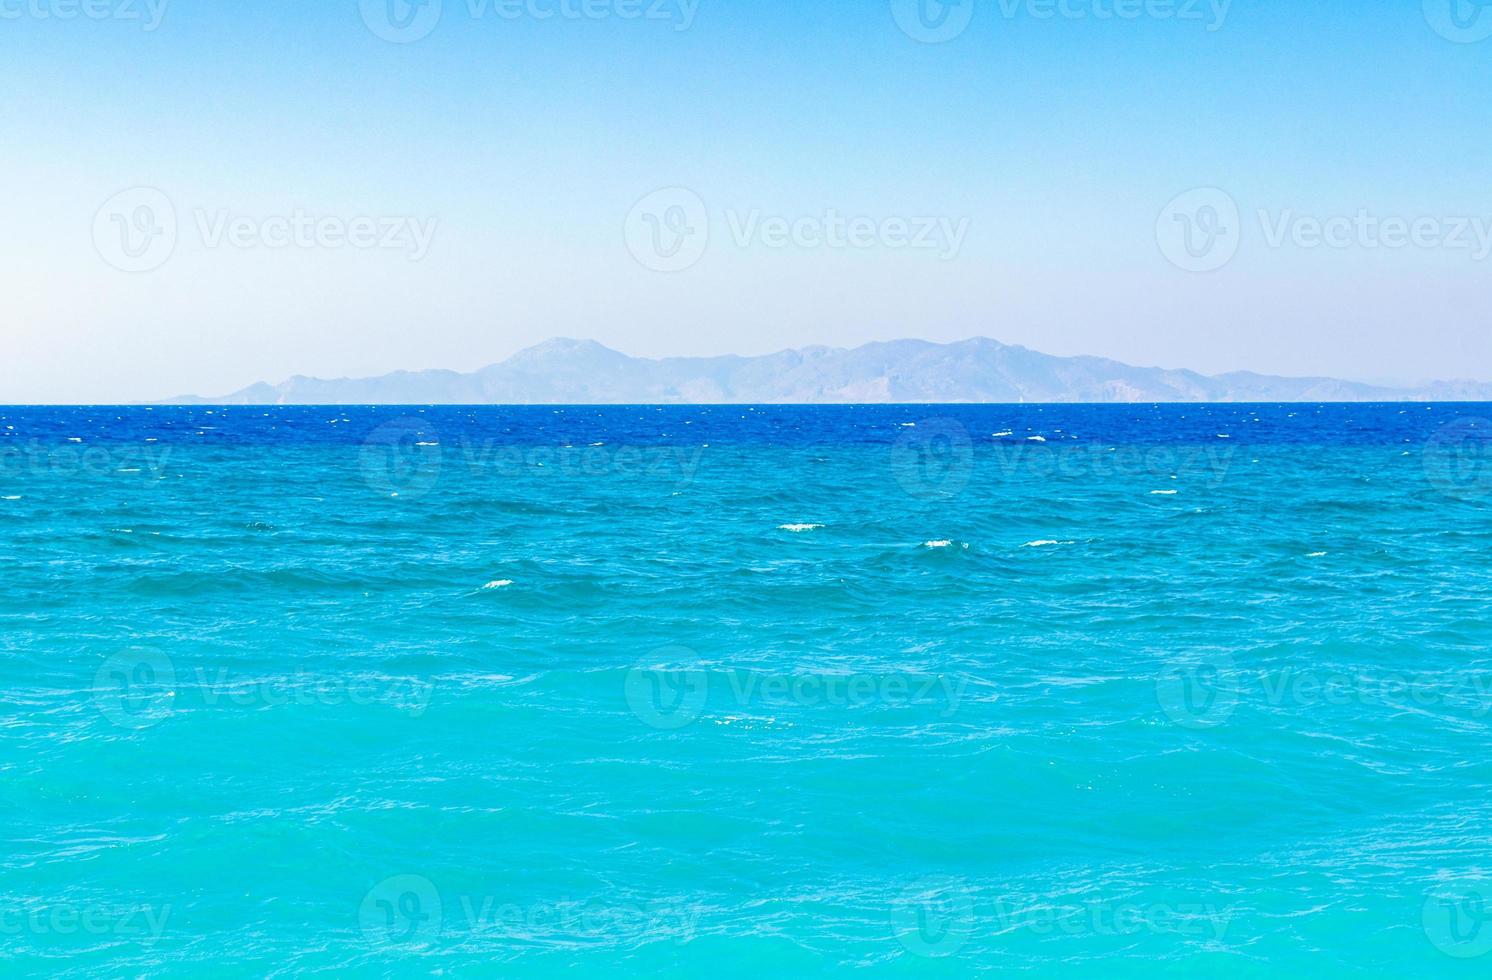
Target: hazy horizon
x,y
1403,383
161,398
975,370
350,190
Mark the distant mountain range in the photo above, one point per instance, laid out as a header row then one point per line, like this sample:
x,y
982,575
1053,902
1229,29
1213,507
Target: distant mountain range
x,y
578,372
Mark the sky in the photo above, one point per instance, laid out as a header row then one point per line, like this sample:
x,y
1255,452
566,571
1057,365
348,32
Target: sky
x,y
201,195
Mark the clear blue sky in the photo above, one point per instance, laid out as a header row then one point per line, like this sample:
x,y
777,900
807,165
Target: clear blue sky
x,y
1055,141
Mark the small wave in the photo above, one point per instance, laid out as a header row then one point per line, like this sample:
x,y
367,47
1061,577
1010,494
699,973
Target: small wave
x,y
501,583
798,528
944,543
1043,544
1317,554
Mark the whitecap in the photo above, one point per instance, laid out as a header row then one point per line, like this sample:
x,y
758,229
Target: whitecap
x,y
1002,435
1317,554
501,583
798,528
1043,544
1036,438
1162,493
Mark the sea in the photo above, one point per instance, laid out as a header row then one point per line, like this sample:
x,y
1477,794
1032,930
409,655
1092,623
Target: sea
x,y
746,691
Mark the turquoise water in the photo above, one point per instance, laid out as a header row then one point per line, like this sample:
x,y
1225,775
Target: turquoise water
x,y
1177,691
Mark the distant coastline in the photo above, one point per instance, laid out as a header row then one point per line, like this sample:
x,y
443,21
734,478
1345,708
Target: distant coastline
x,y
583,372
